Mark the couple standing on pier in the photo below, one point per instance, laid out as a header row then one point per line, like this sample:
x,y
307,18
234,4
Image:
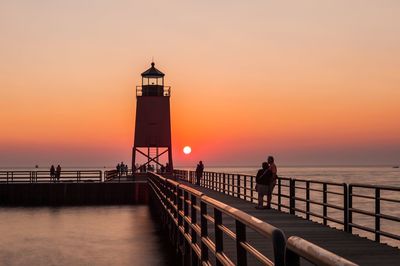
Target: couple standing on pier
x,y
266,180
55,173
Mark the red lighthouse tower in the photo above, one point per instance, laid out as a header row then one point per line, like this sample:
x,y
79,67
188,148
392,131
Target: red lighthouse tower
x,y
153,121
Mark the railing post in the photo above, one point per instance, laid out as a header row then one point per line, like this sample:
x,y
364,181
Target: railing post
x,y
377,214
220,182
350,212
204,231
224,180
230,185
292,196
308,200
193,217
279,244
292,258
279,194
179,205
252,188
238,186
219,237
186,245
245,187
240,238
345,208
185,211
325,201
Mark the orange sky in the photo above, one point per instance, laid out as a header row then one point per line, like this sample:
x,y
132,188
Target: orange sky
x,y
309,82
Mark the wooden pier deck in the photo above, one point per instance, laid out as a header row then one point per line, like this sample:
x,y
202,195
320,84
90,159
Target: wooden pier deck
x,y
359,250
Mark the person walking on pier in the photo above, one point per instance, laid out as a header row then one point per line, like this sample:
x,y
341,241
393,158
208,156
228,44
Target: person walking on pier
x,y
52,173
199,172
262,184
58,173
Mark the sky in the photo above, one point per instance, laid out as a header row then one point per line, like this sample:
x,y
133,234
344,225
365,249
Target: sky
x,y
310,82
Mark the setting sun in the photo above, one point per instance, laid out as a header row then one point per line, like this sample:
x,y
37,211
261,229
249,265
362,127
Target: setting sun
x,y
187,150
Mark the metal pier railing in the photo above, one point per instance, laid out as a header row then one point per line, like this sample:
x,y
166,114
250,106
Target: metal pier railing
x,y
189,216
339,205
76,176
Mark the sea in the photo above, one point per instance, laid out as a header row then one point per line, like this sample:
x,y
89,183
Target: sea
x,y
92,235
373,175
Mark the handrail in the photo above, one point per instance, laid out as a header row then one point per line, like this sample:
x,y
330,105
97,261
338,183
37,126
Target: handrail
x,y
114,175
297,247
183,204
40,176
179,198
243,186
329,203
377,214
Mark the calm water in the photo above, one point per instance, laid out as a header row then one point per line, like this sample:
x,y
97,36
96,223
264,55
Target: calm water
x,y
124,235
377,175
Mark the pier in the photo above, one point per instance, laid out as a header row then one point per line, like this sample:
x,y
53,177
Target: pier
x,y
216,223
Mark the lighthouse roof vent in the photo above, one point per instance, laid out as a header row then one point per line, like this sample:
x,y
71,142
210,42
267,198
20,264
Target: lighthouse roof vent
x,y
152,72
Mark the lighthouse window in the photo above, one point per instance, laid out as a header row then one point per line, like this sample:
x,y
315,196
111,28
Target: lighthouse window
x,y
152,81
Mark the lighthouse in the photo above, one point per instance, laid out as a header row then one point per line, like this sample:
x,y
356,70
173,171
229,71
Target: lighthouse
x,y
152,141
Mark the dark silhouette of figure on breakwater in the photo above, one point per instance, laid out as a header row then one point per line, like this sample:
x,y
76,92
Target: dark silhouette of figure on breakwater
x,y
52,173
199,172
58,173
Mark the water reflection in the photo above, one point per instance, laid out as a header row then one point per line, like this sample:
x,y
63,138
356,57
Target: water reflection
x,y
112,235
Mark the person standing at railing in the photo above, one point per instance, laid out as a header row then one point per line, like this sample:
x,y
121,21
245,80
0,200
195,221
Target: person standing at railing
x,y
118,168
52,173
58,173
272,182
199,172
262,184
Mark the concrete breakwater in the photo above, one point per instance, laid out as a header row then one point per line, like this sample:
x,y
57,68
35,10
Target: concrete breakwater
x,y
95,193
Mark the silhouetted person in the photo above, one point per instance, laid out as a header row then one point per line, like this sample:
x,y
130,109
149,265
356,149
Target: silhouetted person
x,y
118,169
262,184
199,172
52,173
162,169
58,173
121,169
126,169
167,168
273,169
